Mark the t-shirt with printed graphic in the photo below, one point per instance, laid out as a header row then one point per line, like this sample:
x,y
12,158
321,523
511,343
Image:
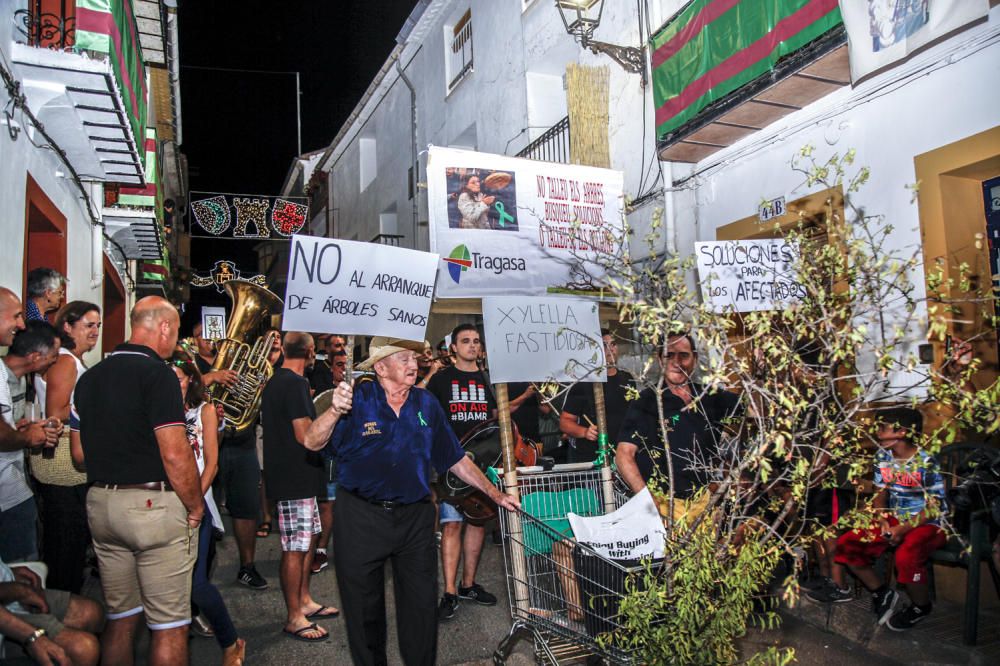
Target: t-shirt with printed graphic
x,y
910,482
466,398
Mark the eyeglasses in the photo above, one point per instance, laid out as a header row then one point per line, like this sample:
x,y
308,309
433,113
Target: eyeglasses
x,y
678,356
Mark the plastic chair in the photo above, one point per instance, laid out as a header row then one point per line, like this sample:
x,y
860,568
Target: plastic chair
x,y
951,459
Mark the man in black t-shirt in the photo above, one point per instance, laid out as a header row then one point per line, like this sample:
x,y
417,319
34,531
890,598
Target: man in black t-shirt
x,y
294,480
694,432
465,395
579,417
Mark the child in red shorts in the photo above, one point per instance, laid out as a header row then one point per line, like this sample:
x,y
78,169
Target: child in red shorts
x,y
910,499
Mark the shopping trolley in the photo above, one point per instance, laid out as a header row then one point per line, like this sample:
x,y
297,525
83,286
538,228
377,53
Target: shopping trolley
x,y
563,594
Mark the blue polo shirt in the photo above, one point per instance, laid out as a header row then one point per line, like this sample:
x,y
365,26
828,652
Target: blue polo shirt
x,y
384,457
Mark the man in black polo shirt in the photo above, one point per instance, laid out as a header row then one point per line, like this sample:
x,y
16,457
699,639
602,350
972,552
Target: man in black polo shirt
x,y
579,417
145,503
693,431
294,480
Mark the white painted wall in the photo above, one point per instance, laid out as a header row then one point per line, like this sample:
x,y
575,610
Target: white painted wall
x,y
514,93
18,159
937,98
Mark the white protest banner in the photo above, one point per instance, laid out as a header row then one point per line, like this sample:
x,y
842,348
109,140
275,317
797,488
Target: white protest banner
x,y
352,288
213,323
632,532
506,225
748,275
543,339
882,33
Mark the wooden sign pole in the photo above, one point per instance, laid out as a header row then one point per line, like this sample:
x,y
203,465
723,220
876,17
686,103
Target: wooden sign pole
x,y
514,528
604,449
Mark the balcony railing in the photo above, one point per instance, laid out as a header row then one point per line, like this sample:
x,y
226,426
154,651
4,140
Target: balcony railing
x,y
551,146
47,24
388,239
460,51
100,69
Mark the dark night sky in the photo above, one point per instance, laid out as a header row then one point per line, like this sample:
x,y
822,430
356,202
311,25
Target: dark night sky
x,y
239,128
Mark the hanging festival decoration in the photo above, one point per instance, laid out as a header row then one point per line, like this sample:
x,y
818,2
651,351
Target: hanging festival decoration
x,y
224,271
288,217
255,216
251,212
212,214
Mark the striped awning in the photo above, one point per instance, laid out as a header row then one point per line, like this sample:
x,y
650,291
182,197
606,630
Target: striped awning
x,y
713,48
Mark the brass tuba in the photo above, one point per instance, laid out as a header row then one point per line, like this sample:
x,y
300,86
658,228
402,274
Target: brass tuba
x,y
244,351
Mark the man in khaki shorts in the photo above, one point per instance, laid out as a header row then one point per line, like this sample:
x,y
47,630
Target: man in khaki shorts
x,y
145,504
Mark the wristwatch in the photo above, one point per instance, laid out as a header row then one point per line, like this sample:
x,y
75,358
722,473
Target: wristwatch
x,y
35,635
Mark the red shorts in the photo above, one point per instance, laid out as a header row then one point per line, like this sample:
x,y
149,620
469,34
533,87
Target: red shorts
x,y
860,548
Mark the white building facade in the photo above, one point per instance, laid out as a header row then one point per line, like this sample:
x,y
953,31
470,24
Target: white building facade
x,y
490,76
89,149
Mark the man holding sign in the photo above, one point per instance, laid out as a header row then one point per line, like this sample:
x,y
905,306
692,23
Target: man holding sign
x,y
387,438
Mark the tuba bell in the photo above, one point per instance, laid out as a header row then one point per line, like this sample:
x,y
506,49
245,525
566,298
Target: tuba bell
x,y
244,351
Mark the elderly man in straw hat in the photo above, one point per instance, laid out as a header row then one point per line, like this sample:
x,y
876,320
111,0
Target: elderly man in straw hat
x,y
387,435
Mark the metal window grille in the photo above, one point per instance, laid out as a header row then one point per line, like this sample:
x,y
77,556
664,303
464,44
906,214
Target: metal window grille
x,y
551,146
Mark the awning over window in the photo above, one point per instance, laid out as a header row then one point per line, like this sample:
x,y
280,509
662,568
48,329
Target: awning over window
x,y
716,50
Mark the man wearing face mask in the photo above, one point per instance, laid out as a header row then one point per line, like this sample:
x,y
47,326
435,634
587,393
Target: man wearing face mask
x,y
694,417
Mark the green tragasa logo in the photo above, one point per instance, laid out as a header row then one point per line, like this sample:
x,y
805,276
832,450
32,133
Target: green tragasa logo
x,y
458,262
461,260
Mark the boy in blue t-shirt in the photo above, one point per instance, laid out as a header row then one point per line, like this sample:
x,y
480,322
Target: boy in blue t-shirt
x,y
910,499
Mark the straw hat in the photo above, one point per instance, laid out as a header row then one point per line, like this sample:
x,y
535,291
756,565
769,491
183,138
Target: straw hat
x,y
382,347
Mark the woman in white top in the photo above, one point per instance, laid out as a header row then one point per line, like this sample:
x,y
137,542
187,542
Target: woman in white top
x,y
60,486
203,435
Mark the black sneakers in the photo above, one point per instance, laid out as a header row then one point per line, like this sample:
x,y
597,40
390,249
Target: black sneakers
x,y
249,576
907,618
883,603
478,594
447,607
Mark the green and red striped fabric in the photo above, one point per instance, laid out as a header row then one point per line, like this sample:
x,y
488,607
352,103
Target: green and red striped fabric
x,y
713,47
109,27
144,196
153,271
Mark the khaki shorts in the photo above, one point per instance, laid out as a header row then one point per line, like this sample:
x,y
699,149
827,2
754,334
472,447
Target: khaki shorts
x,y
146,553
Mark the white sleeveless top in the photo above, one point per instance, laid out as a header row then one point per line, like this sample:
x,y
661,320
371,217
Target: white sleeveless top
x,y
192,418
41,386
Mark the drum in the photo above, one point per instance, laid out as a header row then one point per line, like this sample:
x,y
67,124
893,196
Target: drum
x,y
322,401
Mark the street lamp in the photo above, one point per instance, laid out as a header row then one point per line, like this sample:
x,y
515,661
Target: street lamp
x,y
581,18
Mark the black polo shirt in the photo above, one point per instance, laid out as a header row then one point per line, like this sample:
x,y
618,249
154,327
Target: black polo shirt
x,y
121,403
694,433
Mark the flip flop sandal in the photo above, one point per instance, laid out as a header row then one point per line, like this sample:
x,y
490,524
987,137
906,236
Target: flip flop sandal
x,y
264,530
299,634
321,614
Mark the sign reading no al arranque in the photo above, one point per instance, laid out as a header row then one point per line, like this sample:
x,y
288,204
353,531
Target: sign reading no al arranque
x,y
748,275
543,339
353,288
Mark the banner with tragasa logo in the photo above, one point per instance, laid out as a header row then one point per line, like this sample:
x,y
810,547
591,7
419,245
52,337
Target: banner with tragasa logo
x,y
506,225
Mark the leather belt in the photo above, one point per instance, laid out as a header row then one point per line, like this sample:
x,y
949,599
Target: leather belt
x,y
163,486
385,504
